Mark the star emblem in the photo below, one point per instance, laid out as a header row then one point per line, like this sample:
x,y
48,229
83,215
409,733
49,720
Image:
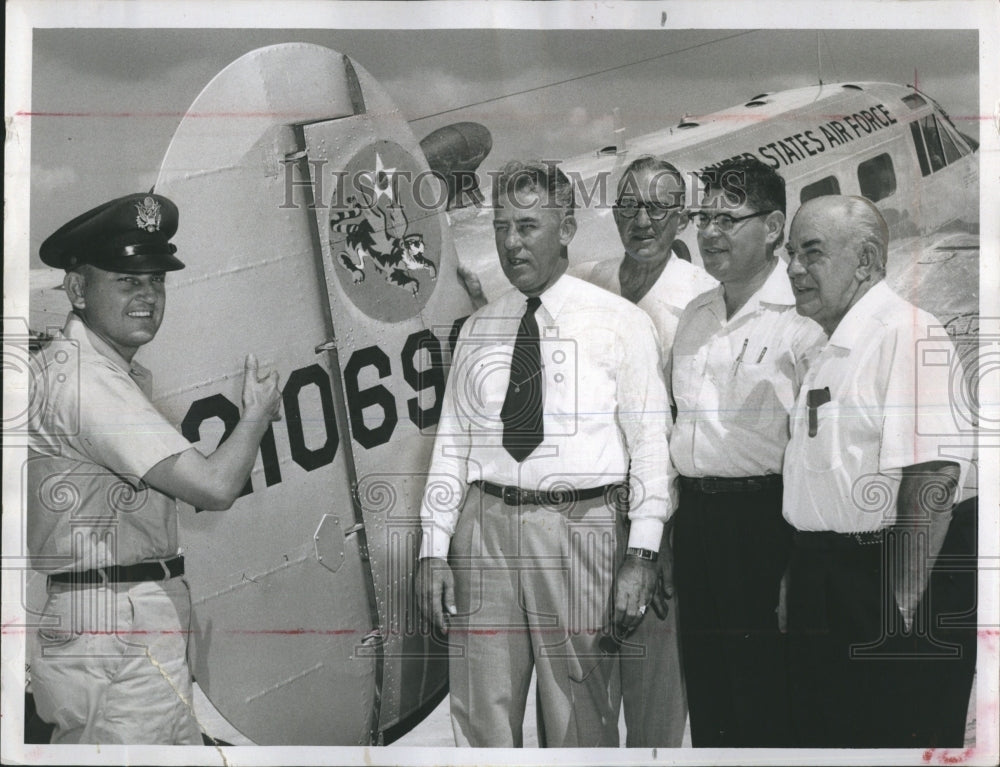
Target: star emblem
x,y
381,180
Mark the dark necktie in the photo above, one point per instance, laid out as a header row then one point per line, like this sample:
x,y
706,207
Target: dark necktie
x,y
522,407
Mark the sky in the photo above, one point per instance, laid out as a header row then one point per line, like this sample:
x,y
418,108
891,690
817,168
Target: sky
x,y
105,102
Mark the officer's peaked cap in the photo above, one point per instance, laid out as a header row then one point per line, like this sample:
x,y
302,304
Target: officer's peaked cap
x,y
131,235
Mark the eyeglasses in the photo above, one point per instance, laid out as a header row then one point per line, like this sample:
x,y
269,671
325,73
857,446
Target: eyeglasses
x,y
657,211
723,221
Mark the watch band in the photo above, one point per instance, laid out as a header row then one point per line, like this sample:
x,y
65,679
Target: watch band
x,y
647,554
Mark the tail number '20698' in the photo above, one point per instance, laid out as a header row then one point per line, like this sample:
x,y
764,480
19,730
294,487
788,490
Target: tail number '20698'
x,y
366,433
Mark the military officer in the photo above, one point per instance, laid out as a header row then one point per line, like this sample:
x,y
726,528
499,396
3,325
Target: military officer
x,y
105,468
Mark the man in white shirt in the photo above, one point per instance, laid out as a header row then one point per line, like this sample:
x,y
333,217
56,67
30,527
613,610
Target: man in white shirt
x,y
871,475
554,422
649,212
738,359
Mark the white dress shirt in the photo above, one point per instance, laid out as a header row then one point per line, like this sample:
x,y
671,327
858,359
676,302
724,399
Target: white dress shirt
x,y
606,412
678,283
735,380
891,370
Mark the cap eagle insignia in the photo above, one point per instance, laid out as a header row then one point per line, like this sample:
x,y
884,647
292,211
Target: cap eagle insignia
x,y
148,217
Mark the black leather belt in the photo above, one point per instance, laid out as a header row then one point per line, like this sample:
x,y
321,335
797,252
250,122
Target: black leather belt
x,y
827,539
160,570
512,495
731,484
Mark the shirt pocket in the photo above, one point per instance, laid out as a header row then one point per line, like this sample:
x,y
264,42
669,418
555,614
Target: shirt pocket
x,y
761,394
825,450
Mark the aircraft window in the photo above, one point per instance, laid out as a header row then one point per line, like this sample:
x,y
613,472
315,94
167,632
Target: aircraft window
x,y
951,152
970,142
877,177
918,142
913,101
821,188
951,132
934,150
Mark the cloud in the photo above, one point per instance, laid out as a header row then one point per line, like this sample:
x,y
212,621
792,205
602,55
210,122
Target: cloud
x,y
120,55
581,128
578,117
428,91
47,181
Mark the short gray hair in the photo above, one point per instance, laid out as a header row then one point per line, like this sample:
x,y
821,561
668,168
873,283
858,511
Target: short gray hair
x,y
651,163
543,178
868,225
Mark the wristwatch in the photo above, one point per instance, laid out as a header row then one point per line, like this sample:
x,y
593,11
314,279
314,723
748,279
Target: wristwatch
x,y
647,554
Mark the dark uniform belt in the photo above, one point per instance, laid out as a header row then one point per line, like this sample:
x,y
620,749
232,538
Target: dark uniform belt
x,y
160,570
512,495
731,484
827,539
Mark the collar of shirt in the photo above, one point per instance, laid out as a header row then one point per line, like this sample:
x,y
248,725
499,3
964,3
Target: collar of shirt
x,y
676,272
855,325
553,299
607,272
91,343
776,291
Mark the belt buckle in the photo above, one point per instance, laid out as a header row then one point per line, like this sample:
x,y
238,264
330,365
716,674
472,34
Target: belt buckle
x,y
166,570
511,495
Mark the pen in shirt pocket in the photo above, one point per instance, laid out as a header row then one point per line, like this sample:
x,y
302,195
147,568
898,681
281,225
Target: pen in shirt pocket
x,y
739,359
761,355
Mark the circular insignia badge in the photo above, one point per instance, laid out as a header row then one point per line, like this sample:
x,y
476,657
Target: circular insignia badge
x,y
385,240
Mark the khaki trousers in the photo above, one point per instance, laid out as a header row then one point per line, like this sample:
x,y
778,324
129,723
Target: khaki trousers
x,y
652,677
111,665
533,589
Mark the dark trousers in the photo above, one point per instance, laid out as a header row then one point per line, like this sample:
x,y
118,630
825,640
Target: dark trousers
x,y
730,552
858,679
